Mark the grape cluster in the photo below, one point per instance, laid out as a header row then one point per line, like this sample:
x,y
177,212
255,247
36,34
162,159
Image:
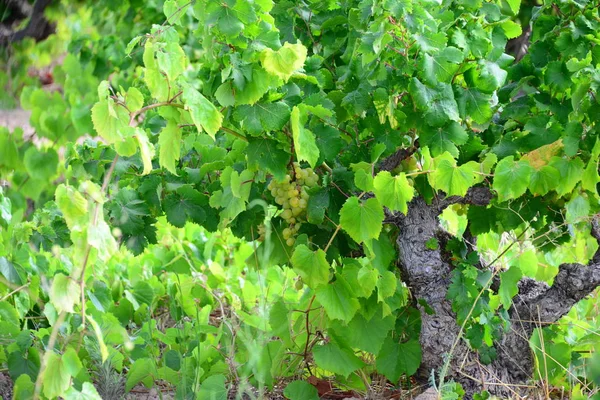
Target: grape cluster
x,y
292,195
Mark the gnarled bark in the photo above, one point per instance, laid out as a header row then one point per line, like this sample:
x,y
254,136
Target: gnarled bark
x,y
427,274
38,26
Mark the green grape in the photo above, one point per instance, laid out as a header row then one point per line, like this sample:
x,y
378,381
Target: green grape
x,y
299,284
286,214
287,232
292,195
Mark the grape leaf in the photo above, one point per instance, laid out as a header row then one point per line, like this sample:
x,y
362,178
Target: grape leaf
x,y
283,62
57,379
442,139
543,180
155,80
453,180
508,285
396,359
301,390
362,220
304,140
64,293
312,267
338,360
393,192
183,204
474,104
265,154
511,178
263,117
171,60
438,103
338,300
570,174
577,208
110,121
174,10
365,334
146,150
204,114
511,29
41,165
88,392
169,141
142,370
441,66
590,177
557,76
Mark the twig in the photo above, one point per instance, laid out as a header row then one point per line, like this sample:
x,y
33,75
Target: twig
x,y
15,291
234,133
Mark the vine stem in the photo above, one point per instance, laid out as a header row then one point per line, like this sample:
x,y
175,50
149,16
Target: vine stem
x,y
150,107
49,350
234,133
16,290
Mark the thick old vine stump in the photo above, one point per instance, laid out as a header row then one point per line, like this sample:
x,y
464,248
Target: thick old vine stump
x,y
427,273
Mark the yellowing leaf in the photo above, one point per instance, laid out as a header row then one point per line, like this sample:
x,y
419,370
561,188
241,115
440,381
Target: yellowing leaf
x,y
542,155
64,293
283,62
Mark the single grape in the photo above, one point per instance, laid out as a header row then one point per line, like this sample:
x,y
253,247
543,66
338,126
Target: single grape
x,y
286,214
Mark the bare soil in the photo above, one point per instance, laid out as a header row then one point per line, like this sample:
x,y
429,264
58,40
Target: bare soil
x,y
16,118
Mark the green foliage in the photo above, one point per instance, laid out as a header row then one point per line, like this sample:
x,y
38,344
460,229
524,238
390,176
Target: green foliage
x,y
156,162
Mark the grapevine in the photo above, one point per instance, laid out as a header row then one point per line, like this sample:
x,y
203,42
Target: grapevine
x,y
233,198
